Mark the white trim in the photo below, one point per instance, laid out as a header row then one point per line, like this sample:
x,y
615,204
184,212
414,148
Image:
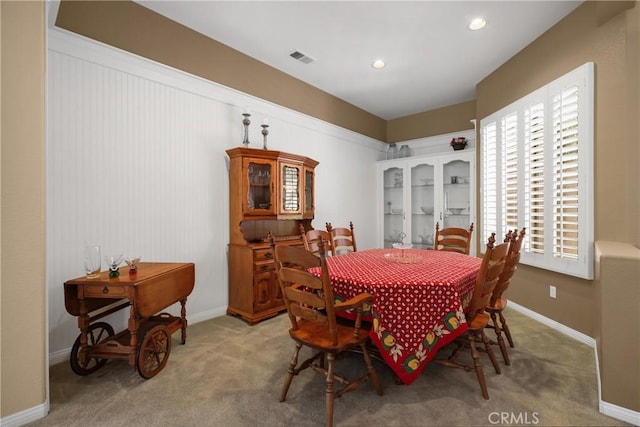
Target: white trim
x,y
605,408
620,413
579,336
108,56
21,418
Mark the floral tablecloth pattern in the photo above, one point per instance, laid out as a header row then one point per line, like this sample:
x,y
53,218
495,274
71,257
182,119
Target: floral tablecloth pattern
x,y
418,306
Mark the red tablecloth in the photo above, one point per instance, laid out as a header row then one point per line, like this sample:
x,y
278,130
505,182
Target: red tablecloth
x,y
418,306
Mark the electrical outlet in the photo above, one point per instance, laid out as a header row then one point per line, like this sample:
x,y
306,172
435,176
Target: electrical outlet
x,y
552,291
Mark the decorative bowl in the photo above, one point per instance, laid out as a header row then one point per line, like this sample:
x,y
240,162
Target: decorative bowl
x,y
396,210
427,210
427,181
456,211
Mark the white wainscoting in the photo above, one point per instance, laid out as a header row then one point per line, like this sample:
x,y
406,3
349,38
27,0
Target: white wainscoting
x,y
136,163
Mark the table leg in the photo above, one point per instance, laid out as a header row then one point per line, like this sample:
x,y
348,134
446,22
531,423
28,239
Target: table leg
x,y
83,324
183,315
133,331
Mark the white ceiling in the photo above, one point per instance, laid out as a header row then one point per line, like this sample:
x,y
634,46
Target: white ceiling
x,y
433,59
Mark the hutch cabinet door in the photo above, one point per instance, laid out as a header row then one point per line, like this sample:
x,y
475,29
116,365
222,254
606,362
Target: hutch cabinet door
x,y
259,187
423,202
291,180
458,194
309,201
391,183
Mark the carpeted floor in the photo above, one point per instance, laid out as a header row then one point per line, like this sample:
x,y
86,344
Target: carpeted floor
x,y
230,374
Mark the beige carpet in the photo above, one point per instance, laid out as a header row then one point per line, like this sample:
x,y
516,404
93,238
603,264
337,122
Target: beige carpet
x,y
230,374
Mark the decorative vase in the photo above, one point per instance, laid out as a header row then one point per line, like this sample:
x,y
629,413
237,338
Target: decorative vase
x,y
458,143
392,151
405,151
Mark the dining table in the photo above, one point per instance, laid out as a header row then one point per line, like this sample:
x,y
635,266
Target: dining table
x,y
419,300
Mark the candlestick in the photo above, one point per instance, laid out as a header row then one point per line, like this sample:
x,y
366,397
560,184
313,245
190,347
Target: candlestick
x,y
246,122
265,132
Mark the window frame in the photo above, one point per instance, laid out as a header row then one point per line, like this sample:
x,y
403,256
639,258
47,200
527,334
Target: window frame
x,y
582,264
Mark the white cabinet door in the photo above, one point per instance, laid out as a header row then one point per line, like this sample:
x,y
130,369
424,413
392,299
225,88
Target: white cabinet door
x,y
392,177
423,203
414,193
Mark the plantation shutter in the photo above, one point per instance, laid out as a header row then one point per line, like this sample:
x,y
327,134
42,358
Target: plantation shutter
x,y
534,177
565,173
489,193
537,172
509,173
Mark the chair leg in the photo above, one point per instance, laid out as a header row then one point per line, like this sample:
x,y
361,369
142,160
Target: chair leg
x,y
290,373
505,328
478,367
503,348
372,372
330,393
489,349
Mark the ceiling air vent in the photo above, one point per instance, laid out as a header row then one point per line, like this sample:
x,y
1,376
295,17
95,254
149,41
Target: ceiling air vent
x,y
302,57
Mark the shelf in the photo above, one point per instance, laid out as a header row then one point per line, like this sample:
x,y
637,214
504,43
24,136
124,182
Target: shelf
x,y
420,213
393,188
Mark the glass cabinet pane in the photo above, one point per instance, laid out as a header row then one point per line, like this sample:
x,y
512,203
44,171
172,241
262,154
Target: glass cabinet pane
x,y
290,188
393,206
259,191
457,194
422,206
308,190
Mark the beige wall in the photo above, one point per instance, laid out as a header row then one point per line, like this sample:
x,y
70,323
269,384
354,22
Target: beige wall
x,y
430,123
24,361
607,34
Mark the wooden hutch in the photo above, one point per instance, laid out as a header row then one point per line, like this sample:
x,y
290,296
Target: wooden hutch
x,y
271,193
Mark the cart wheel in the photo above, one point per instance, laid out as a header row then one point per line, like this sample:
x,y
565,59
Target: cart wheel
x,y
97,333
154,351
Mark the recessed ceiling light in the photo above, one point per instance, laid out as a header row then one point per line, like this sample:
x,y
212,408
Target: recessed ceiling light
x,y
378,63
477,24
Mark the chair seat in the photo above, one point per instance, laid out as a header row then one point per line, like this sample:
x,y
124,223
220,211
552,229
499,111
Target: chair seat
x,y
316,335
499,305
479,322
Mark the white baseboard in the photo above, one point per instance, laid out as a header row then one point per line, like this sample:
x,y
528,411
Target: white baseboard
x,y
27,416
608,409
620,413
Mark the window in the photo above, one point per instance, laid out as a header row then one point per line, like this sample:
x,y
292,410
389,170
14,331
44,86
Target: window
x,y
537,172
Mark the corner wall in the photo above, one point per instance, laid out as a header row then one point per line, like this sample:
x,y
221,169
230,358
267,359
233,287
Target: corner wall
x,y
23,352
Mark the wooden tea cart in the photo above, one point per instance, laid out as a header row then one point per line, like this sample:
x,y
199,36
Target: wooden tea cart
x,y
146,343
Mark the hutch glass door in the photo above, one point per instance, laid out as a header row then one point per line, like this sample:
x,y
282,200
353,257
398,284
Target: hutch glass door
x,y
393,191
457,194
422,205
259,187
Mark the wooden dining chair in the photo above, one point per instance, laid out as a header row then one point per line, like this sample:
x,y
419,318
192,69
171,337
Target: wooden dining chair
x,y
476,316
310,238
498,303
343,240
453,239
312,312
